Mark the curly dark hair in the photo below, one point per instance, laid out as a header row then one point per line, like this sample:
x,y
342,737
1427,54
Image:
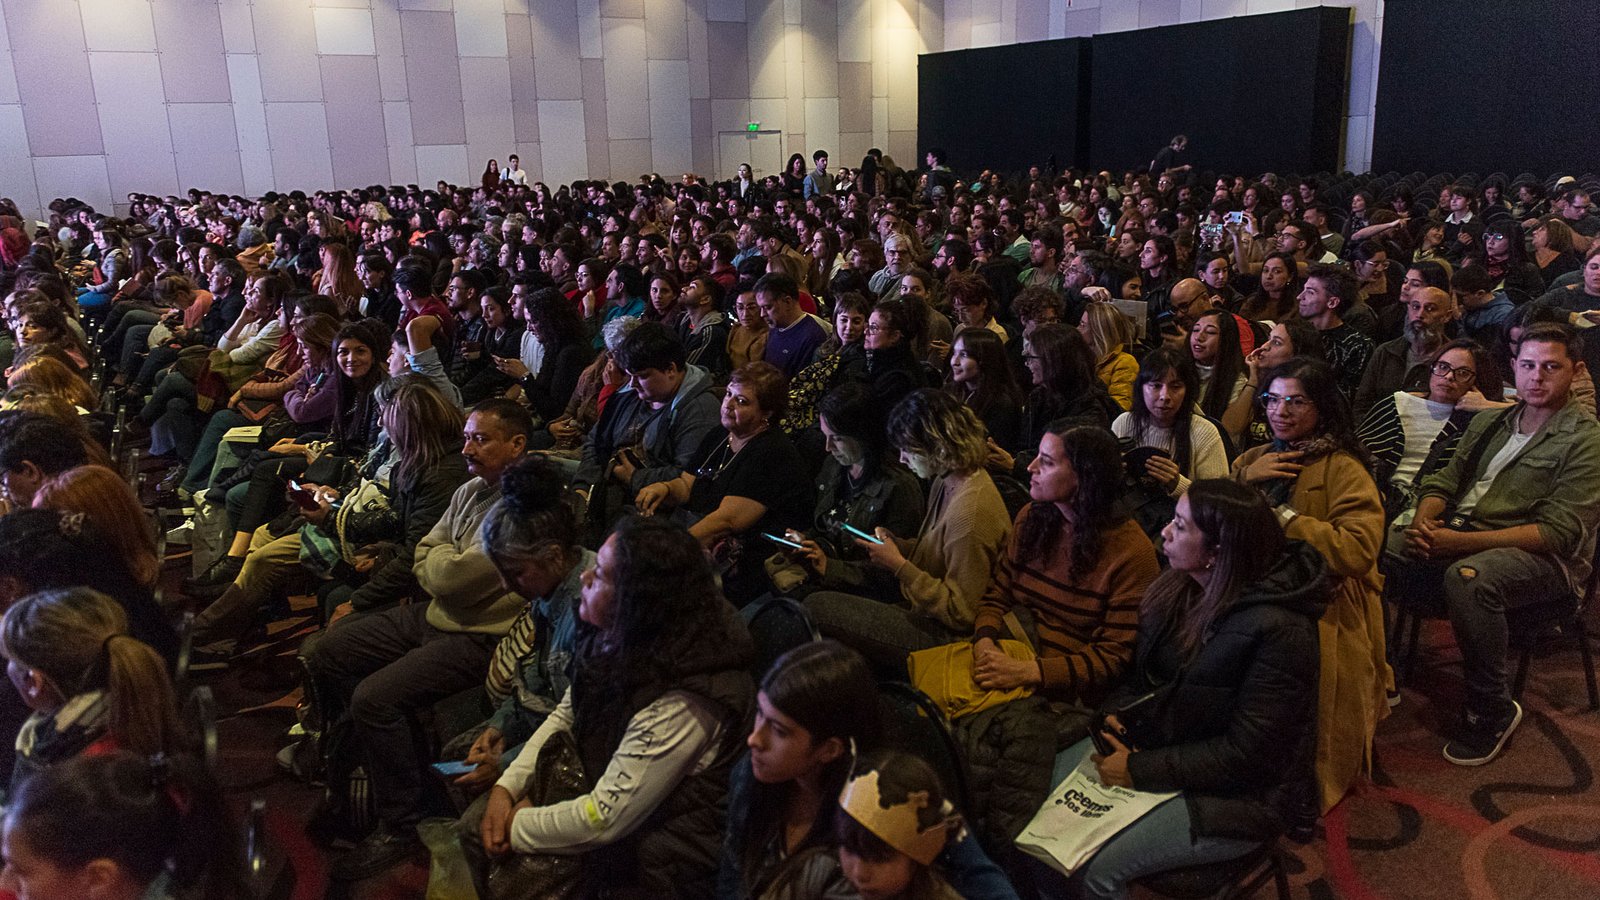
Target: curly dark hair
x,y
1097,459
554,318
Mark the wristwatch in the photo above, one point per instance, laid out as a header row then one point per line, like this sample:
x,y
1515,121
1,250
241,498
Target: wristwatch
x,y
1286,514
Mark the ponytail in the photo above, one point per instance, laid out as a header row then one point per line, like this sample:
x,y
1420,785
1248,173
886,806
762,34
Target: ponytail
x,y
143,710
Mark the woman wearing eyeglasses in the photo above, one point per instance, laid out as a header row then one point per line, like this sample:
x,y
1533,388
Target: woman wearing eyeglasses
x,y
1314,474
1412,434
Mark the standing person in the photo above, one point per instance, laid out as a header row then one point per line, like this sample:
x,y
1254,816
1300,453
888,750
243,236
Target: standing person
x,y
1314,473
1171,158
819,182
1509,523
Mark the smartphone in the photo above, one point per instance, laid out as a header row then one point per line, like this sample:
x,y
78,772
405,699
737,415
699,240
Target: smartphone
x,y
302,497
1234,218
456,767
778,540
862,534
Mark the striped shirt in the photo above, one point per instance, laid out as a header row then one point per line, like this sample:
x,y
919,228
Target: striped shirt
x,y
1086,625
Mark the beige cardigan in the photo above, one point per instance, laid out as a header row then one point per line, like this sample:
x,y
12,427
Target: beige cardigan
x,y
953,558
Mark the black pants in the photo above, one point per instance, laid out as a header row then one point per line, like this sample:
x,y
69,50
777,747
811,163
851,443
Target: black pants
x,y
382,670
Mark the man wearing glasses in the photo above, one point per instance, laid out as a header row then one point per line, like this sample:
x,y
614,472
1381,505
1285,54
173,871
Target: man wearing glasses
x,y
1402,364
1508,525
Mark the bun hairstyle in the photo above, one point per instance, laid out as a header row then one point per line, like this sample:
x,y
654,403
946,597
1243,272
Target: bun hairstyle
x,y
534,512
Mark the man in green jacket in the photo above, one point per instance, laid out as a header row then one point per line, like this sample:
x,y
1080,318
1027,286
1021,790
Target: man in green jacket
x,y
1509,523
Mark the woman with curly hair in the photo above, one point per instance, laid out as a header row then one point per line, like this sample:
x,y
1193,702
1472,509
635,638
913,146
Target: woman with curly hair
x,y
1078,565
660,703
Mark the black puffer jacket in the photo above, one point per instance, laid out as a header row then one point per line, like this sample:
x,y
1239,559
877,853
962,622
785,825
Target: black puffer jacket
x,y
1231,728
1010,750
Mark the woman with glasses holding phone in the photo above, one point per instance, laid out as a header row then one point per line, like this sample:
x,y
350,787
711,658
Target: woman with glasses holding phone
x,y
1314,474
1412,434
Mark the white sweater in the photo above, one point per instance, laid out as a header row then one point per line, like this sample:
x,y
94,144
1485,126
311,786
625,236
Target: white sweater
x,y
1208,458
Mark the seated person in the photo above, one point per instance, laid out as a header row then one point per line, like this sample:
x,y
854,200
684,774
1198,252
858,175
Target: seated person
x,y
35,447
941,573
783,794
1413,434
660,703
860,486
531,534
747,482
873,854
386,666
1224,683
1509,523
120,825
93,687
372,524
1315,476
1402,364
651,429
1078,565
1165,417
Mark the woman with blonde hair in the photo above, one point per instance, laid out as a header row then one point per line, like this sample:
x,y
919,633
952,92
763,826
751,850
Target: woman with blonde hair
x,y
111,508
1109,333
941,574
92,686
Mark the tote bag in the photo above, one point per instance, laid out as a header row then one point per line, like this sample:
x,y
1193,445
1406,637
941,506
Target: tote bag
x,y
1080,815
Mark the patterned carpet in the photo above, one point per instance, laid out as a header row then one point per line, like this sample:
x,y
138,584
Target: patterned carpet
x,y
1526,826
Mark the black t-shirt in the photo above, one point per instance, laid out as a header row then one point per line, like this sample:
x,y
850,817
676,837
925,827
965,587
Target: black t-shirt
x,y
767,470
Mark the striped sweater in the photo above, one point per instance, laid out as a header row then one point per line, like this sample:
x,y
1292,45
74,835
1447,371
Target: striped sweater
x,y
1087,625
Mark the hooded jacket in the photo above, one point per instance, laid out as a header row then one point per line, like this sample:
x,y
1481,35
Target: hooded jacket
x,y
1235,725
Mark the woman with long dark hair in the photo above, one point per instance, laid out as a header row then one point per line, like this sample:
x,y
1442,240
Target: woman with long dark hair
x,y
785,792
980,377
794,174
1165,418
1065,385
1275,299
1078,565
1219,362
1220,705
660,703
858,486
1315,475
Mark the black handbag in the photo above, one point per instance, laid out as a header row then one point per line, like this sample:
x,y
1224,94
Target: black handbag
x,y
557,776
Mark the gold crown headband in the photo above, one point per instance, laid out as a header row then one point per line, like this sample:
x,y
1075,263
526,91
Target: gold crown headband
x,y
897,825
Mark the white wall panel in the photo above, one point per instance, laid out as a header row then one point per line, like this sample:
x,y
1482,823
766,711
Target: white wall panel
x,y
445,162
116,24
83,177
344,32
563,148
300,151
481,27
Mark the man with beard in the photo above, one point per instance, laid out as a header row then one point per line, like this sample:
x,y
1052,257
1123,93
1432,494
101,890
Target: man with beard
x,y
1402,364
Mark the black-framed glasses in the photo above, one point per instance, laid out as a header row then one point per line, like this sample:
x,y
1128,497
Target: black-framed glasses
x,y
1291,402
1458,374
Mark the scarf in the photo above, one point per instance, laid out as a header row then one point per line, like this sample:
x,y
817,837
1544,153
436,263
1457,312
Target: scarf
x,y
1279,490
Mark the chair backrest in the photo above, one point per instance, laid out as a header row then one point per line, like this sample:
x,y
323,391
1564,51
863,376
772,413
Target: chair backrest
x,y
777,625
200,712
914,724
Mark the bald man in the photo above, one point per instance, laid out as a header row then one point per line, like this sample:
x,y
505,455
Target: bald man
x,y
1402,364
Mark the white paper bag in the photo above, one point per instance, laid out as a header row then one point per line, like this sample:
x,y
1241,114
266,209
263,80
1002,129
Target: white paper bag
x,y
1080,815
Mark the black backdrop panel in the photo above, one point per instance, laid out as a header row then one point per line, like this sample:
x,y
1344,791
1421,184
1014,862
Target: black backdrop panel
x,y
1004,107
1254,93
1487,85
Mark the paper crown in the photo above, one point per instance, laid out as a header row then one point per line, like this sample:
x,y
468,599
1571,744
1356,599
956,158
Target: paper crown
x,y
897,825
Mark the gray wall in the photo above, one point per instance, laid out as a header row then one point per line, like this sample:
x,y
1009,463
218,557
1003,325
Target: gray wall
x,y
102,97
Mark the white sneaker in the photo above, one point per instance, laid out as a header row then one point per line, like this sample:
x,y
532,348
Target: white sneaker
x,y
181,535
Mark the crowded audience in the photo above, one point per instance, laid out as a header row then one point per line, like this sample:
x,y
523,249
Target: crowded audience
x,y
1124,466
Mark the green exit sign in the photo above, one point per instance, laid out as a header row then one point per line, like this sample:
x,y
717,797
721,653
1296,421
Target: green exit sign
x,y
753,126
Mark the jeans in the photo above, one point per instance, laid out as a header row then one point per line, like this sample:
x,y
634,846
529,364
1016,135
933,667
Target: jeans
x,y
884,633
207,447
1479,591
1159,841
135,344
385,668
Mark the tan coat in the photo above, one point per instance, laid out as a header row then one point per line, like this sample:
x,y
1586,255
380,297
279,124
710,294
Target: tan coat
x,y
1341,515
